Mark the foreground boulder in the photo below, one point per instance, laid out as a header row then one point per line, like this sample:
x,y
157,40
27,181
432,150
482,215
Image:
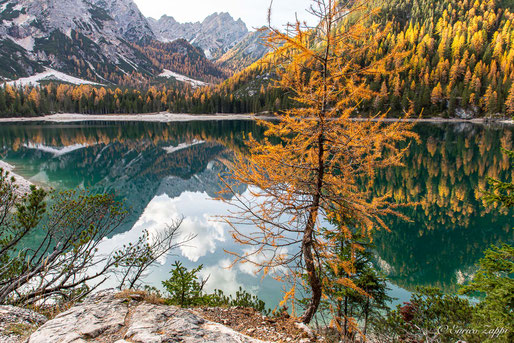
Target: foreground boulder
x,y
106,317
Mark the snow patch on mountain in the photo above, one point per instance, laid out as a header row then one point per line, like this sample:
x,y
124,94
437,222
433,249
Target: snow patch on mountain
x,y
26,43
50,75
23,19
182,78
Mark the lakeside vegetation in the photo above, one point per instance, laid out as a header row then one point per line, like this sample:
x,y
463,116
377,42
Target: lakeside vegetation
x,y
49,245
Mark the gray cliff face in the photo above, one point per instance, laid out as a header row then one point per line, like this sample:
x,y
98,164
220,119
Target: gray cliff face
x,y
217,34
111,18
50,14
25,21
55,33
251,49
131,23
91,39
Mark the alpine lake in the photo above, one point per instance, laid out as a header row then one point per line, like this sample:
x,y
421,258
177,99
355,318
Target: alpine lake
x,y
164,171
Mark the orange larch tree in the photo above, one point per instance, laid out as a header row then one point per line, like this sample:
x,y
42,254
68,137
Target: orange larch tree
x,y
318,161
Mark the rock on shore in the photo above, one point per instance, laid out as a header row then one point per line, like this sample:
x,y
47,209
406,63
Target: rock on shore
x,y
23,184
104,317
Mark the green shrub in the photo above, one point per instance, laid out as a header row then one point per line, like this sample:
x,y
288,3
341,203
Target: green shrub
x,y
185,289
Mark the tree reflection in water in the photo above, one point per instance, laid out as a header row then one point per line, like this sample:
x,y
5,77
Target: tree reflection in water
x,y
142,161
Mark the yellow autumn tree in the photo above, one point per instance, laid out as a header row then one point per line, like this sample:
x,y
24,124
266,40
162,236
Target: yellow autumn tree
x,y
510,101
34,97
437,94
317,162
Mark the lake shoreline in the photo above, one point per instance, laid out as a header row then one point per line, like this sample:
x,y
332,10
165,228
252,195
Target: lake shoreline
x,y
182,117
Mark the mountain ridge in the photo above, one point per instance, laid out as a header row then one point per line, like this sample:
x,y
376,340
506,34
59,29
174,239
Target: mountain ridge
x,y
106,42
249,50
73,36
215,35
131,22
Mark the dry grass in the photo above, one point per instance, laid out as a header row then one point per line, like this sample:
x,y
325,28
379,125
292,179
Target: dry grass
x,y
51,311
140,296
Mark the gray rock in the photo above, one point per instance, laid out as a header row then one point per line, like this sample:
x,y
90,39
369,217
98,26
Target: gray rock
x,y
98,316
131,23
147,321
106,318
14,314
466,114
22,183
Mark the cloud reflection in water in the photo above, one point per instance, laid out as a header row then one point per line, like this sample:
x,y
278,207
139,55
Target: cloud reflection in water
x,y
198,221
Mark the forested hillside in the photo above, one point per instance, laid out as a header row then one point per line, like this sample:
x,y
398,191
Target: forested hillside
x,y
457,59
183,58
460,54
19,101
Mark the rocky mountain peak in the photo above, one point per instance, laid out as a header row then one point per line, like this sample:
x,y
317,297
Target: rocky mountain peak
x,y
225,16
92,39
164,18
215,35
131,23
73,36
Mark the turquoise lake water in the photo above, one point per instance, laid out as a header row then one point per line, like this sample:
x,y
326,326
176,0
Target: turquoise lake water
x,y
167,170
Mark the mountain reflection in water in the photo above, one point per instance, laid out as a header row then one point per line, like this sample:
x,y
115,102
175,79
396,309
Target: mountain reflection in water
x,y
168,170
